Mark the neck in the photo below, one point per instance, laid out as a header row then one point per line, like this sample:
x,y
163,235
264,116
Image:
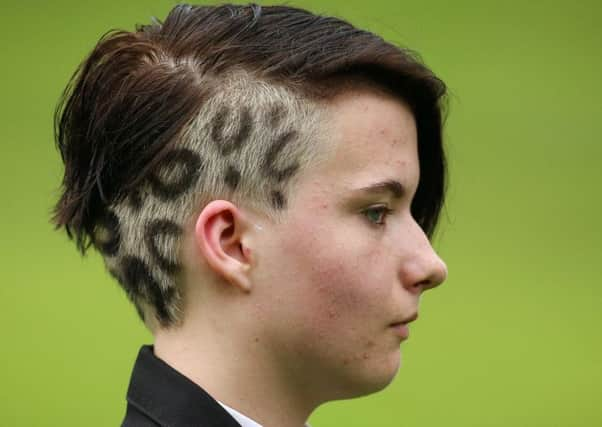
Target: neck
x,y
236,368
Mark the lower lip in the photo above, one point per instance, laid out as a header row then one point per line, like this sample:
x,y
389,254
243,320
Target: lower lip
x,y
402,330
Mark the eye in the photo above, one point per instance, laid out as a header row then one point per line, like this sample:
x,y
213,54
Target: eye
x,y
376,215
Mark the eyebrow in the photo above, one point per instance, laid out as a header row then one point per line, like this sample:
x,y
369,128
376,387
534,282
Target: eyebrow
x,y
394,188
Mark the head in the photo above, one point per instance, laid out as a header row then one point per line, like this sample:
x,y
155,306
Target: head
x,y
268,159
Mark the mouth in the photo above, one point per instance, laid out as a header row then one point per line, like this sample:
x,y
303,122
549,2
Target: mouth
x,y
406,320
401,327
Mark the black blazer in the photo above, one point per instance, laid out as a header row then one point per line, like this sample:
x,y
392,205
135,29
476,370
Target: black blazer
x,y
159,395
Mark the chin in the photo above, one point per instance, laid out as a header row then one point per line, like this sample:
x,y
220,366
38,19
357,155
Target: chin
x,y
374,377
381,382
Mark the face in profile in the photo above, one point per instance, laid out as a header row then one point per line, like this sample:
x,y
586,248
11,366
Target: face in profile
x,y
349,263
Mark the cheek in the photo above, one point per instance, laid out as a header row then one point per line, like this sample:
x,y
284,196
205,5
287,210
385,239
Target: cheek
x,y
339,275
353,286
332,302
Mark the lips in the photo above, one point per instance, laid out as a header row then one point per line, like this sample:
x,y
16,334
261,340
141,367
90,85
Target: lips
x,y
401,327
406,320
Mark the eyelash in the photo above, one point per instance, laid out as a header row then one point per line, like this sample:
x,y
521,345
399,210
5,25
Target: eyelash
x,y
384,210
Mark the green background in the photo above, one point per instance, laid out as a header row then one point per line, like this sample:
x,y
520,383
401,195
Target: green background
x,y
513,337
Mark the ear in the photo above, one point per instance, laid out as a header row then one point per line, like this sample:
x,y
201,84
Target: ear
x,y
221,234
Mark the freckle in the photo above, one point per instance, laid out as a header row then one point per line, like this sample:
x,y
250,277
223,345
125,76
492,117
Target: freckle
x,y
256,339
345,362
365,356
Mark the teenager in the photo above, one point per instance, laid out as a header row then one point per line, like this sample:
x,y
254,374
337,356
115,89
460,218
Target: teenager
x,y
263,182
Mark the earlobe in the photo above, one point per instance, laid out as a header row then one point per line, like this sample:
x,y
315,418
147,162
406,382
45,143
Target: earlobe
x,y
220,235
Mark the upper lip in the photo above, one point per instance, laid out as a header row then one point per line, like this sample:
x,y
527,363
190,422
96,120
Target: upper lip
x,y
407,319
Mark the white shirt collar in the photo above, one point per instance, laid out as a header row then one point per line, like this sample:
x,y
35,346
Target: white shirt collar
x,y
241,419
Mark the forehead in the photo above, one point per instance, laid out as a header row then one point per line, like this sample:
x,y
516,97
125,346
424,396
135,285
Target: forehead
x,y
373,137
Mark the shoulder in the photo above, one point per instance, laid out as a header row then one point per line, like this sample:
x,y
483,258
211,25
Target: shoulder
x,y
159,395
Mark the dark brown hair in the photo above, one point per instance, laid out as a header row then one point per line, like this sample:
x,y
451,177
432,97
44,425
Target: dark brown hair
x,y
131,99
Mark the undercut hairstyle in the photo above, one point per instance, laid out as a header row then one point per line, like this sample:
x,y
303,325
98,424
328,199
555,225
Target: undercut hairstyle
x,y
216,102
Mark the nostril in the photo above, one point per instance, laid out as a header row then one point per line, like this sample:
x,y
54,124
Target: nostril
x,y
424,271
425,285
436,273
434,279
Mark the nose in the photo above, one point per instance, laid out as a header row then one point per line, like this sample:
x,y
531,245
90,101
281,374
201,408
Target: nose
x,y
422,269
435,273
